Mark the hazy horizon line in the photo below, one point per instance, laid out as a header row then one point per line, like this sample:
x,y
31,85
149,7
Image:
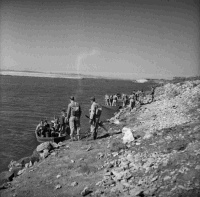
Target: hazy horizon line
x,y
76,75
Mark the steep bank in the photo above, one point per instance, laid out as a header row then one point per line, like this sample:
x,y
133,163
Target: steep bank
x,y
162,160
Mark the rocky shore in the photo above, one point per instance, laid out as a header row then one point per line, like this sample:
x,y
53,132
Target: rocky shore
x,y
152,150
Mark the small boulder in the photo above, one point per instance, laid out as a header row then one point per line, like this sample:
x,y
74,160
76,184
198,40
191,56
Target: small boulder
x,y
85,191
128,135
44,154
14,164
26,165
23,161
118,175
73,184
137,191
58,186
54,145
197,167
43,146
21,171
15,170
30,164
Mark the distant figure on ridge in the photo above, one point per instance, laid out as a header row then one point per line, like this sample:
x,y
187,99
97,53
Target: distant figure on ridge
x,y
125,100
132,100
111,100
152,93
114,100
95,114
73,117
106,99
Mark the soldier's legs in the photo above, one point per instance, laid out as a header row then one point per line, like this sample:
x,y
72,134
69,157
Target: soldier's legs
x,y
72,127
78,127
92,130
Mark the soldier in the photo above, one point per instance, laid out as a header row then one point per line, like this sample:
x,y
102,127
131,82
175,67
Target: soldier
x,y
95,113
73,117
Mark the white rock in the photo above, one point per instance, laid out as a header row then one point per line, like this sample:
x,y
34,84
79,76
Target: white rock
x,y
166,178
21,171
85,191
73,184
43,146
197,167
30,164
58,186
147,136
128,135
26,165
116,122
44,154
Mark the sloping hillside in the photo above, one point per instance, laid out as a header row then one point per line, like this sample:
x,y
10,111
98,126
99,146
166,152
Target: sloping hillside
x,y
161,159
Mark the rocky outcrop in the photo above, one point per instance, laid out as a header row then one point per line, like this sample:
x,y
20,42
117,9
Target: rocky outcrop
x,y
17,168
163,159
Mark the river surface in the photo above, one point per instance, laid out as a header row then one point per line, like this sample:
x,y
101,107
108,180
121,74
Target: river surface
x,y
25,100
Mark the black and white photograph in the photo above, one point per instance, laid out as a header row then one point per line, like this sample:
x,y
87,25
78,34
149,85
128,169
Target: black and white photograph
x,y
100,98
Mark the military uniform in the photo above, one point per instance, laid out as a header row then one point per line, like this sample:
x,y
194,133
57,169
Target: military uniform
x,y
94,119
73,115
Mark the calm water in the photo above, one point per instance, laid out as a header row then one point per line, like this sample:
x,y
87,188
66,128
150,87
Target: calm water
x,y
25,100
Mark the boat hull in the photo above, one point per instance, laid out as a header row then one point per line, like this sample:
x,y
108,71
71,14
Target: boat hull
x,y
114,108
51,139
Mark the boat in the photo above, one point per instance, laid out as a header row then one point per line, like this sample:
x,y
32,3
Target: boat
x,y
114,108
52,139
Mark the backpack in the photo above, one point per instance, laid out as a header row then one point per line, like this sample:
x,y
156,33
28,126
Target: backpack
x,y
98,110
75,109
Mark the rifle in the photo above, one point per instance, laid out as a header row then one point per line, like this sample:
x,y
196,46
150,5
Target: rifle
x,y
100,124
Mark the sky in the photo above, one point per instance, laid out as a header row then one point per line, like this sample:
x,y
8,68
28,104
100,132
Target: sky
x,y
123,39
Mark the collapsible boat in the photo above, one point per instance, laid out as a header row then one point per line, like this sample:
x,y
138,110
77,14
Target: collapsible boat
x,y
42,139
114,108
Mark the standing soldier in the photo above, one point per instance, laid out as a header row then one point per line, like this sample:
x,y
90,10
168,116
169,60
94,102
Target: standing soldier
x,y
125,100
106,99
64,126
95,113
114,100
142,97
152,93
132,101
73,117
111,100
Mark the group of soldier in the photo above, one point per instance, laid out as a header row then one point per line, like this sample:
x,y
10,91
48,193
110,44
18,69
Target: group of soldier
x,y
69,122
128,100
111,100
136,97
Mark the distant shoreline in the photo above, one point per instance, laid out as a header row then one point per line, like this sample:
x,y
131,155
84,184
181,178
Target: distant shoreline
x,y
56,75
41,74
83,76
